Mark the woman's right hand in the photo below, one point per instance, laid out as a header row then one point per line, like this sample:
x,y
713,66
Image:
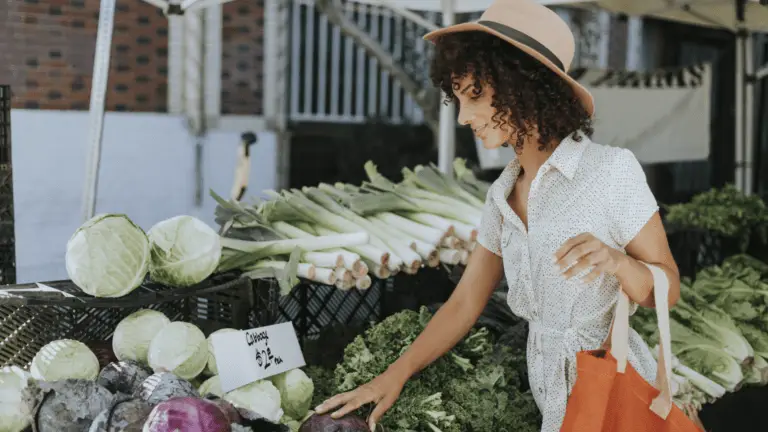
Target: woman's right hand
x,y
382,391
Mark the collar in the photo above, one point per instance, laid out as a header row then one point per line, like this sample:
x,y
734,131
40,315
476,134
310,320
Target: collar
x,y
565,159
567,155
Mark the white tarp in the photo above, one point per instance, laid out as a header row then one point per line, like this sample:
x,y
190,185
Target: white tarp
x,y
459,6
706,13
660,116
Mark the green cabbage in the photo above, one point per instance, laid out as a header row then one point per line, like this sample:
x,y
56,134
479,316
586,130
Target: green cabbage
x,y
185,251
211,367
261,397
296,391
134,333
64,359
179,348
211,386
108,256
15,414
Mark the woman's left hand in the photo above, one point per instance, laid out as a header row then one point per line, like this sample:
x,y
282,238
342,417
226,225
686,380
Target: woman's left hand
x,y
584,252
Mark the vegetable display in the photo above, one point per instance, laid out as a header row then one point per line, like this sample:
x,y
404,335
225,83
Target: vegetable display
x,y
64,359
14,411
185,251
108,256
180,348
134,333
725,211
125,414
719,331
339,234
67,391
347,234
166,375
477,386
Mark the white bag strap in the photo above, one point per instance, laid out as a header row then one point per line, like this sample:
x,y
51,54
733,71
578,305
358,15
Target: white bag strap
x,y
662,404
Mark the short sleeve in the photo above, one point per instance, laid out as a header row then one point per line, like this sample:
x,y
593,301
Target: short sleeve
x,y
489,234
631,202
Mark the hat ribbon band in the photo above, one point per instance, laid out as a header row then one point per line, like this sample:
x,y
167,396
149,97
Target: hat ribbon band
x,y
524,39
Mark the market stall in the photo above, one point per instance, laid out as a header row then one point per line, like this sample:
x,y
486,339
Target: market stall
x,y
139,326
742,17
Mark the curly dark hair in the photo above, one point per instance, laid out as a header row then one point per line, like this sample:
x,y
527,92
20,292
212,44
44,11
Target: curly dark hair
x,y
526,91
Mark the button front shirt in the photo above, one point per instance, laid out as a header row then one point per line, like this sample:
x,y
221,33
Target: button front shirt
x,y
582,188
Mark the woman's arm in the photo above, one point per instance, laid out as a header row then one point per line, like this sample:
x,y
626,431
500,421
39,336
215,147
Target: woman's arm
x,y
457,316
649,246
634,222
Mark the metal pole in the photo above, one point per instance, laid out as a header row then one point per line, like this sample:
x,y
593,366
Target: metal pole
x,y
749,113
739,125
446,150
176,47
96,111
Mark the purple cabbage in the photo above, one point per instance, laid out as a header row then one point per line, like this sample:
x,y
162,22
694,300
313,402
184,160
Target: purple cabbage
x,y
125,415
163,386
227,408
187,414
123,377
325,423
67,406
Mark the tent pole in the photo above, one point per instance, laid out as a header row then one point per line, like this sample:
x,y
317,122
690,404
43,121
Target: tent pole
x,y
749,113
446,150
739,124
96,110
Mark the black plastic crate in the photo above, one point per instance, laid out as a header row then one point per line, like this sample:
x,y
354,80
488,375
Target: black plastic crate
x,y
696,249
426,287
7,238
312,307
28,321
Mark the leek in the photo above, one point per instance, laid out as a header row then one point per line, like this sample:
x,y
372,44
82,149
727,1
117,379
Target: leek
x,y
393,246
420,231
303,270
367,251
363,283
467,179
401,245
256,250
449,256
461,230
343,258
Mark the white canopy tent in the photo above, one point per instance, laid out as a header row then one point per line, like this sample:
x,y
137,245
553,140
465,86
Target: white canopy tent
x,y
184,22
743,18
185,71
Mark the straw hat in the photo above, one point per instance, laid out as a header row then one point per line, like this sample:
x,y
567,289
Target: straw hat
x,y
533,28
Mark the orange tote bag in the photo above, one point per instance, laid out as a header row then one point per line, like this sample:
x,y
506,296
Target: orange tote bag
x,y
610,396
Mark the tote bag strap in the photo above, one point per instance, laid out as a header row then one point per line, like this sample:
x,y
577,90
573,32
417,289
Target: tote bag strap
x,y
662,404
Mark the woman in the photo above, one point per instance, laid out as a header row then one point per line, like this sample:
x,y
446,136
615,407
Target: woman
x,y
568,221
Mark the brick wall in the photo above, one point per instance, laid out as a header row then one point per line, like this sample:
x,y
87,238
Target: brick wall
x,y
47,49
242,57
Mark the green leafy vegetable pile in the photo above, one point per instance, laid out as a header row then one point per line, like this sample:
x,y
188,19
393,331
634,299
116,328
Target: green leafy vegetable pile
x,y
726,211
475,387
719,330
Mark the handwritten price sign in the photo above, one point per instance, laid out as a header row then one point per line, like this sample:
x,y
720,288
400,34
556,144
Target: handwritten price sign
x,y
250,355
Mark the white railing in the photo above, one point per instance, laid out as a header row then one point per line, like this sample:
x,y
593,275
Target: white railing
x,y
334,80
